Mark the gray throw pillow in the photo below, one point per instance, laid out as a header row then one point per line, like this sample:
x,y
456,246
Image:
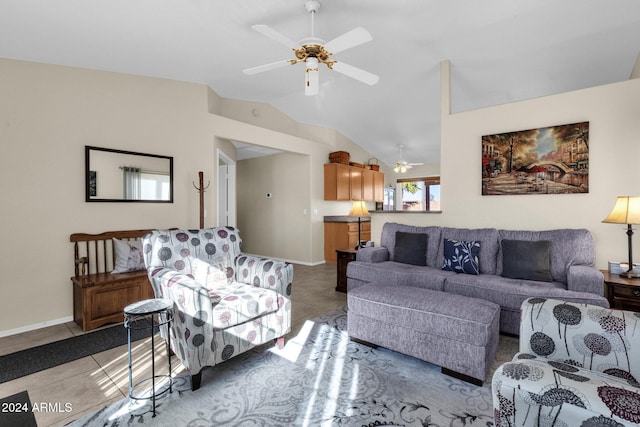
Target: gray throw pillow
x,y
529,260
410,248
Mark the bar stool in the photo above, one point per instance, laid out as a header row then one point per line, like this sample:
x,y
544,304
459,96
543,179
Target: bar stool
x,y
142,315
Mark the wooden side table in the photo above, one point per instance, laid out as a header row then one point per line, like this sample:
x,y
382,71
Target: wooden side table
x,y
622,293
345,256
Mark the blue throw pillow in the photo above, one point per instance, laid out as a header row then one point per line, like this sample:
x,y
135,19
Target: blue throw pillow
x,y
461,256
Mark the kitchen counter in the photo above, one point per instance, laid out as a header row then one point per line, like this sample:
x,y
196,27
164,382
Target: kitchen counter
x,y
346,218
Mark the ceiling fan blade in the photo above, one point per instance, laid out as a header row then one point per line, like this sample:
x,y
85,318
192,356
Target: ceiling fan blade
x,y
416,164
356,73
274,35
350,39
266,67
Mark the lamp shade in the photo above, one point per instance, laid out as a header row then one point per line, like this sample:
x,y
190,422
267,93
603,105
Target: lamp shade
x,y
625,211
359,209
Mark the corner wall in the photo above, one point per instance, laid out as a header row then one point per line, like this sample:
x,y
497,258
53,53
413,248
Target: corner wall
x,y
49,113
614,145
278,225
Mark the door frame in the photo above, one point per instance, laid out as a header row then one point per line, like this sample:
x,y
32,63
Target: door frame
x,y
230,179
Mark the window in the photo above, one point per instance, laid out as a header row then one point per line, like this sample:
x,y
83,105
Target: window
x,y
419,194
154,186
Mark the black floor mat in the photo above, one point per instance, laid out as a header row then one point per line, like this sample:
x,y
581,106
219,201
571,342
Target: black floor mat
x,y
35,359
16,411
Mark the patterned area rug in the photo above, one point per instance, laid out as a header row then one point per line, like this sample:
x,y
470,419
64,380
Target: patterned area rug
x,y
319,378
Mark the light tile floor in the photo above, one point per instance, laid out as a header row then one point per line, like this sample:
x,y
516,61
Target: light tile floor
x,y
90,383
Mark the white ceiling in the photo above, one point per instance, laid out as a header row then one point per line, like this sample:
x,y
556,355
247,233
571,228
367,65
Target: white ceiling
x,y
246,151
500,50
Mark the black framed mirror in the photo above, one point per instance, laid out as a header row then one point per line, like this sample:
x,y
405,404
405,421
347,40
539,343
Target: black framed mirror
x,y
127,176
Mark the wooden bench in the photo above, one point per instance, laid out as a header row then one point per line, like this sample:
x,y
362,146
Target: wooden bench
x,y
99,297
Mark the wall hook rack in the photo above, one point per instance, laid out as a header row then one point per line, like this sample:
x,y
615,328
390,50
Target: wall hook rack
x,y
201,189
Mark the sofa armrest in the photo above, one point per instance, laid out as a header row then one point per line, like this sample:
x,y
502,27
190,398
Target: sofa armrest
x,y
583,278
265,273
374,254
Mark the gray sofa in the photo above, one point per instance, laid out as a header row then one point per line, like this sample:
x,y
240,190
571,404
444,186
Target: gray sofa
x,y
570,274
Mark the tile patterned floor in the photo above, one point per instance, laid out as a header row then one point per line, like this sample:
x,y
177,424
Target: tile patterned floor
x,y
88,384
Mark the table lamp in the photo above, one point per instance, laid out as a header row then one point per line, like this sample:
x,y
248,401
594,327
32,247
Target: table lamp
x,y
359,209
626,211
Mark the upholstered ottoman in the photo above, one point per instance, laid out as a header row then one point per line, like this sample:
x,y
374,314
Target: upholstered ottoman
x,y
456,332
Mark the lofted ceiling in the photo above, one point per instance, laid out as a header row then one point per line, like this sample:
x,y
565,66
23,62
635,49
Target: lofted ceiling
x,y
500,51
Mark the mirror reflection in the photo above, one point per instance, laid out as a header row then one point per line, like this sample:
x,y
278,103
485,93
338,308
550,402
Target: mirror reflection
x,y
126,176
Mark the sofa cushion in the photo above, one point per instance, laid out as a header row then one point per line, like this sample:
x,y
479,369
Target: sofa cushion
x,y
236,303
489,244
388,239
460,256
510,293
210,274
396,273
528,260
410,248
568,247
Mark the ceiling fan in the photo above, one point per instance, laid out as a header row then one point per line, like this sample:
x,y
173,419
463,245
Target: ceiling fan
x,y
313,51
403,166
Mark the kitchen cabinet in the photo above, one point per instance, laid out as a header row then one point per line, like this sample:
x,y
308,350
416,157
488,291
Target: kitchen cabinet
x,y
343,234
344,182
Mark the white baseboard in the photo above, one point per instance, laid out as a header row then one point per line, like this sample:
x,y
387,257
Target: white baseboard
x,y
35,326
291,261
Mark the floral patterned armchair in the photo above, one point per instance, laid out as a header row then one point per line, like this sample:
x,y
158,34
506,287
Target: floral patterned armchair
x,y
225,302
578,365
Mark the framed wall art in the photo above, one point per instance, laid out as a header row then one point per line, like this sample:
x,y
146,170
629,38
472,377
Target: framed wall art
x,y
549,160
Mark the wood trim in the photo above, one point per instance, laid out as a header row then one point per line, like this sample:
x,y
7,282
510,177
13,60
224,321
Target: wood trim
x,y
431,180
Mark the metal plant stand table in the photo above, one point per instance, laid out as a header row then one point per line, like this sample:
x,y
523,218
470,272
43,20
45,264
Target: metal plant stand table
x,y
149,314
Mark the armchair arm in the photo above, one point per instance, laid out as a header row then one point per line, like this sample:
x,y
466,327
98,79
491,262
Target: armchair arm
x,y
374,254
583,278
190,297
590,336
191,330
265,273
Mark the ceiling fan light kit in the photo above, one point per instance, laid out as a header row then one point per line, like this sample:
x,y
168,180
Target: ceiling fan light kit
x,y
312,78
313,51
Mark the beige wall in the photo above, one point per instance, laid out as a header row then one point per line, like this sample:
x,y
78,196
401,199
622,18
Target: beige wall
x,y
49,113
279,225
612,111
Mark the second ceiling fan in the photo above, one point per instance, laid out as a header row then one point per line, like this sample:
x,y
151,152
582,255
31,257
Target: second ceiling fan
x,y
313,51
401,165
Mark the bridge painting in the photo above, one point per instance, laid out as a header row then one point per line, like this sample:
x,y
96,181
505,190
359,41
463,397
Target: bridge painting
x,y
549,160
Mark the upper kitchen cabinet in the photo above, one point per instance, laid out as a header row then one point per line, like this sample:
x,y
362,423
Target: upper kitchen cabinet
x,y
344,182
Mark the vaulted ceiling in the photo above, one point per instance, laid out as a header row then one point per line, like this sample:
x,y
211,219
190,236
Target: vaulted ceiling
x,y
500,51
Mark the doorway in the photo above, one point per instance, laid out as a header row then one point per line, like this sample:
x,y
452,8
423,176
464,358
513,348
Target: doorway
x,y
226,194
